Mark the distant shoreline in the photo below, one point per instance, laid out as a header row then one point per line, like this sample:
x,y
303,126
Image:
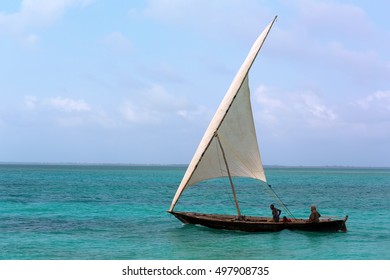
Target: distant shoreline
x,y
185,165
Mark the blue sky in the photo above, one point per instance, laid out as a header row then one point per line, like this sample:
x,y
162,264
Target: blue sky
x,y
98,81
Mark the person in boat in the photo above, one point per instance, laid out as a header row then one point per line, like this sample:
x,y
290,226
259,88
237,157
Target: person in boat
x,y
314,215
286,220
275,213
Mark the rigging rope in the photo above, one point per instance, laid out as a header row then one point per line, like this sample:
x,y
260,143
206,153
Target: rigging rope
x,y
283,205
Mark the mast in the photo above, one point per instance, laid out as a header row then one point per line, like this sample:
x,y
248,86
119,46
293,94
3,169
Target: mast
x,y
236,109
230,177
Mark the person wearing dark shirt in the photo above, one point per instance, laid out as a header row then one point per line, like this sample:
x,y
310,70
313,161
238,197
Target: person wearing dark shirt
x,y
275,213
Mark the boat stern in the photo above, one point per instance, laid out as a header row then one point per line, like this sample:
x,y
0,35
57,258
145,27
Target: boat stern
x,y
343,227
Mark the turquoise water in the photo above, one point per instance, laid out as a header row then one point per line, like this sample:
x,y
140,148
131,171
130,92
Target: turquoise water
x,y
119,212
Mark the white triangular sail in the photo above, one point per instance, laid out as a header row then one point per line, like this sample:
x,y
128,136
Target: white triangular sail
x,y
233,123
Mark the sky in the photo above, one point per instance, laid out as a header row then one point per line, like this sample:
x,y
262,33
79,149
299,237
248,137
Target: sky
x,y
98,81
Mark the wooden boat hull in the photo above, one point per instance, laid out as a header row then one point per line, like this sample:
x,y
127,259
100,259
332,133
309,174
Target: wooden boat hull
x,y
258,224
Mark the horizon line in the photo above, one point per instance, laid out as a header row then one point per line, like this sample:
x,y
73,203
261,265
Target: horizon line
x,y
179,164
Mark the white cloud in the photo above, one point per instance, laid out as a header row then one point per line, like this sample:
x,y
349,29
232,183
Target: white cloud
x,y
262,97
157,98
322,17
378,100
70,121
30,40
138,115
270,106
193,114
326,37
30,101
68,104
148,106
162,71
35,14
118,42
363,65
302,107
236,16
156,105
63,111
169,10
305,115
315,108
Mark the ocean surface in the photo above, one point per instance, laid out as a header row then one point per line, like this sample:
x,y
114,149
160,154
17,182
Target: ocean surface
x,y
109,212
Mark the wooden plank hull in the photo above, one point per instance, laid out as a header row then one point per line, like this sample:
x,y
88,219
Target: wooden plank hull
x,y
258,224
